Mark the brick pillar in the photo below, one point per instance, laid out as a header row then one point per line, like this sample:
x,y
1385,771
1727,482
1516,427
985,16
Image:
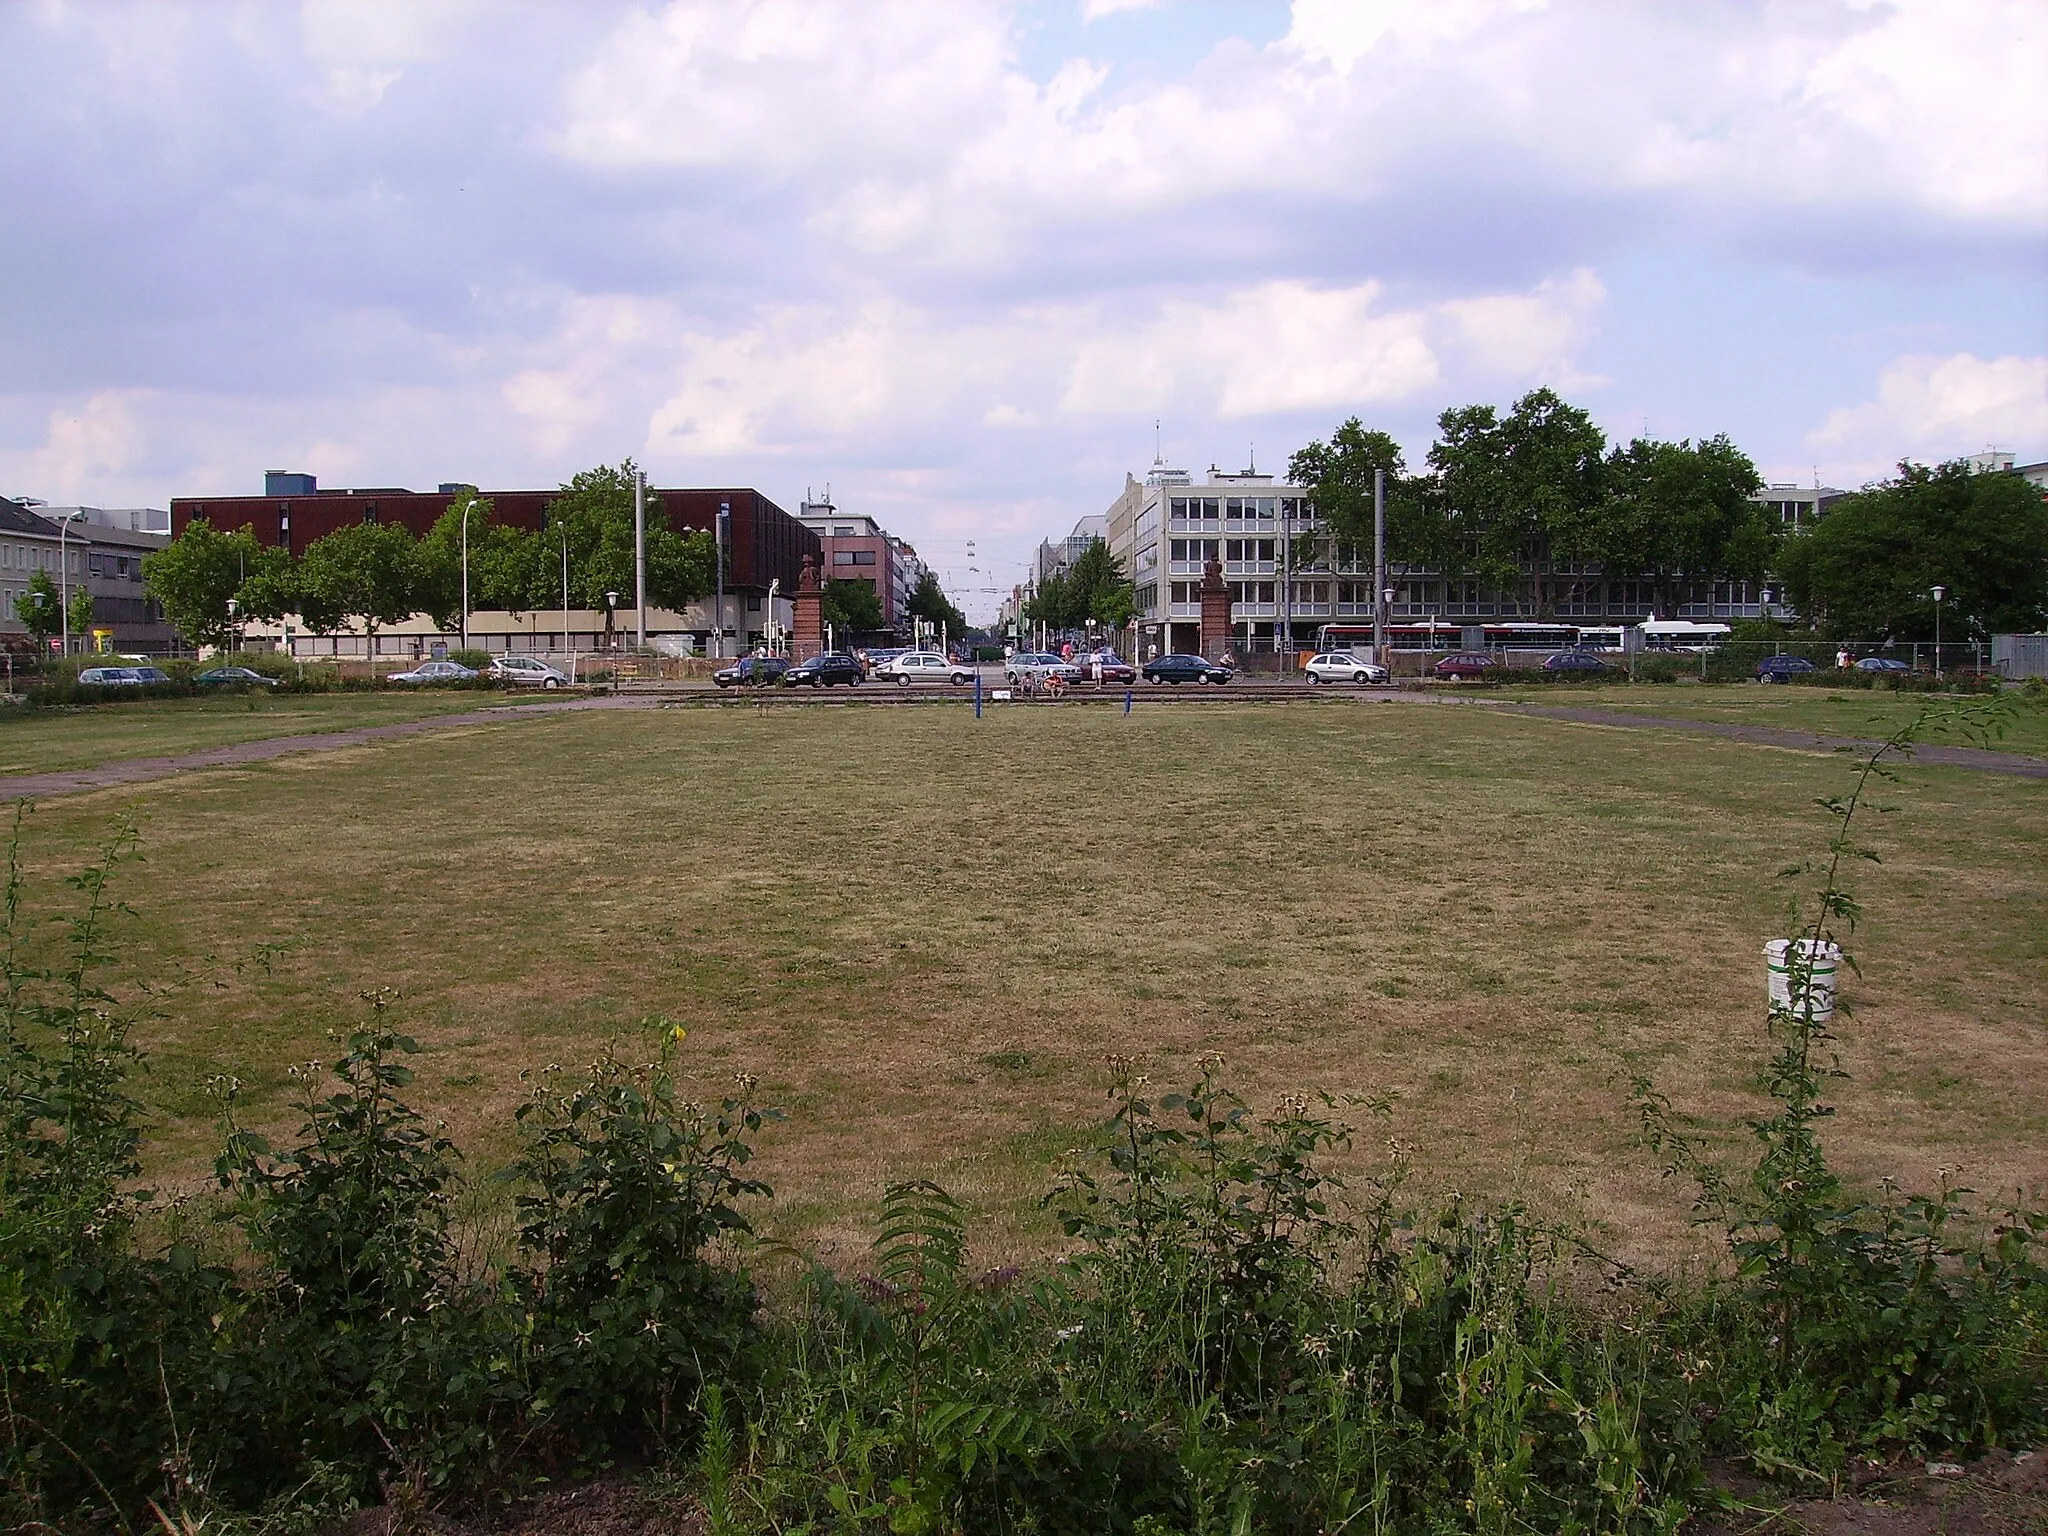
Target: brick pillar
x,y
808,631
1215,611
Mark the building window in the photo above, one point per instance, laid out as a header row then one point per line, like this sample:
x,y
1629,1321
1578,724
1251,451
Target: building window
x,y
863,557
842,557
753,605
843,533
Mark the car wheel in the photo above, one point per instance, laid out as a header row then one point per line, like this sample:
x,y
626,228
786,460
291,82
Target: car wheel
x,y
551,682
1313,679
1359,677
962,679
902,679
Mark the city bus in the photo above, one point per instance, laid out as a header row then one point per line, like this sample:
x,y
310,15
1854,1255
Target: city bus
x,y
1682,635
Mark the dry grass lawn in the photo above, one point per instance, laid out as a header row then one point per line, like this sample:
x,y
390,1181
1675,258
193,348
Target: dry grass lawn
x,y
57,740
925,933
1857,712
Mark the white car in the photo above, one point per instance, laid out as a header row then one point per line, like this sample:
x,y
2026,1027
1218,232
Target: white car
x,y
1343,667
530,670
1037,666
434,672
922,667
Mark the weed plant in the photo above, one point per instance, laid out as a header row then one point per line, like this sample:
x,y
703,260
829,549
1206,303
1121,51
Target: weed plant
x,y
1235,1339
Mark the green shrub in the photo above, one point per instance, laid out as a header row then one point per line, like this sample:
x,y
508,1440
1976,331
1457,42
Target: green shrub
x,y
622,1190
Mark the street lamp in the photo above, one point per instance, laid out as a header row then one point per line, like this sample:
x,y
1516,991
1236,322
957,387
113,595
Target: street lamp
x,y
64,521
233,608
611,605
467,502
1939,594
719,533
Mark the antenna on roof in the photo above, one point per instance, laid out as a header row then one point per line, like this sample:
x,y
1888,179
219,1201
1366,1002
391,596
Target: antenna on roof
x,y
1158,445
1253,450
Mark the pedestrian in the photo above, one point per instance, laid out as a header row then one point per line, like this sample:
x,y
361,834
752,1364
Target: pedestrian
x,y
1842,660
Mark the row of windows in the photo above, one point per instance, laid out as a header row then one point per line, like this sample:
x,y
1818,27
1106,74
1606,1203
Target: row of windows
x,y
853,557
1251,592
1211,509
34,557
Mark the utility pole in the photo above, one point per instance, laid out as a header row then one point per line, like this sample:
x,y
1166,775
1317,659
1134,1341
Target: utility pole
x,y
640,555
1283,636
64,587
1379,566
565,601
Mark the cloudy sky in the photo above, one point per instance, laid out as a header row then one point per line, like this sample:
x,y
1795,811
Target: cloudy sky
x,y
955,257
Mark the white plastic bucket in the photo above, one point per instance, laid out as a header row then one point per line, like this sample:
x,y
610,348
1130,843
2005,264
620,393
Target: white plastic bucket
x,y
1820,962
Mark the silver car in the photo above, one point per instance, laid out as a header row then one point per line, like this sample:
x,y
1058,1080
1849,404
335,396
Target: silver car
x,y
1343,667
434,672
922,667
530,670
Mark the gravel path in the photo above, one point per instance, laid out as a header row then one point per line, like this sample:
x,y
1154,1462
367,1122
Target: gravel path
x,y
1980,758
141,770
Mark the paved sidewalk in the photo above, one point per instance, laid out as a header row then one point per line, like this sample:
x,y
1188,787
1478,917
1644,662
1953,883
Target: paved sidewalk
x,y
1983,759
142,770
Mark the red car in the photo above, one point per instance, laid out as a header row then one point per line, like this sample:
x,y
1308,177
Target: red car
x,y
1466,664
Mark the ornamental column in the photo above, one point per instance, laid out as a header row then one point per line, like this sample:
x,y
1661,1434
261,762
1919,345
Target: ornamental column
x,y
1215,595
808,628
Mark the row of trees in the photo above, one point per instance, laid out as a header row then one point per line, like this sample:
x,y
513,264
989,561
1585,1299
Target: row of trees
x,y
1093,588
1542,487
377,573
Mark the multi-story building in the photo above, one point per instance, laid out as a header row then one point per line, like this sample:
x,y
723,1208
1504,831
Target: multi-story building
x,y
857,548
104,548
764,548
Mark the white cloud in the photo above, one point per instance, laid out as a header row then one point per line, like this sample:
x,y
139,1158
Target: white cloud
x,y
84,448
1533,336
1939,408
1095,10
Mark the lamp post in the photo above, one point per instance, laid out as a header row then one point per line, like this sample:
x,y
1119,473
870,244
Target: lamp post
x,y
611,608
64,521
467,502
234,607
718,537
1379,566
565,601
1939,594
640,557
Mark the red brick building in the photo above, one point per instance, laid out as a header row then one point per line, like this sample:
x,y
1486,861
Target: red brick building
x,y
764,542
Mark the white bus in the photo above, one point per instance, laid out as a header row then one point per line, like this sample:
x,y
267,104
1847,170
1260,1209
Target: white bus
x,y
1682,635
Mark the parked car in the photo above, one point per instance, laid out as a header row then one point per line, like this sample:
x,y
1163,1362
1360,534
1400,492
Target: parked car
x,y
1105,667
233,677
1180,668
823,671
109,677
922,667
530,670
752,672
1343,667
1775,669
1882,664
1574,661
1037,666
1466,664
434,672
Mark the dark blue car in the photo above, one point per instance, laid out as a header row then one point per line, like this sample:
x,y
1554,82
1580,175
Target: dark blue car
x,y
1775,669
1178,669
1574,661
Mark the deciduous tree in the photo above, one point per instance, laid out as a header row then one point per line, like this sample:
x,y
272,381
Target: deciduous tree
x,y
367,572
193,577
1868,569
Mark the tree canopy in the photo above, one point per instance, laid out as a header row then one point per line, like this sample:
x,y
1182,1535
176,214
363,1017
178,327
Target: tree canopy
x,y
1499,489
928,601
851,607
193,577
1093,587
1868,569
37,606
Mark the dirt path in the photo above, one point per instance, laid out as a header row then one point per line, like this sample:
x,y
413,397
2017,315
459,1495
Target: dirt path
x,y
1980,758
141,770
